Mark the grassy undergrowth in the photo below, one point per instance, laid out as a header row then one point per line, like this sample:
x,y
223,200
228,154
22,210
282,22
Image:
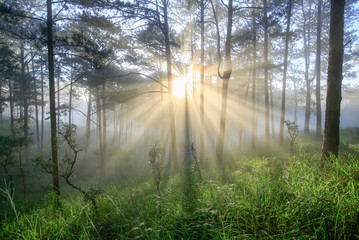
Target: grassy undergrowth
x,y
284,197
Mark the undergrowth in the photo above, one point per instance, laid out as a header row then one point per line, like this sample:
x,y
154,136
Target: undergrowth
x,y
283,197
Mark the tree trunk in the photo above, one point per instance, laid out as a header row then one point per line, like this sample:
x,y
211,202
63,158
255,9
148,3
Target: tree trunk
x,y
254,65
201,141
226,76
70,100
50,46
58,99
104,124
88,124
42,110
36,109
11,100
335,76
271,105
295,101
318,71
99,128
170,93
284,86
266,91
306,44
24,88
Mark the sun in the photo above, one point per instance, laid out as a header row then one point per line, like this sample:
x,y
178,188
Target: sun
x,y
179,87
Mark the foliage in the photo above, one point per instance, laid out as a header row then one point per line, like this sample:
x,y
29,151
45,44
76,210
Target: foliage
x,y
8,193
284,197
9,147
156,163
195,166
293,131
67,163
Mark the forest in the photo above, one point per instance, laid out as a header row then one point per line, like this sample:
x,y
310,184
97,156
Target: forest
x,y
186,119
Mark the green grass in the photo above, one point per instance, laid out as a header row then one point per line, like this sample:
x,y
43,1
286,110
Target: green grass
x,y
284,197
254,196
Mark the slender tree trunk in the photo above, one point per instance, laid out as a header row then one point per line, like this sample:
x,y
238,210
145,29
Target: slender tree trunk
x,y
170,87
99,128
42,110
271,105
284,85
88,123
225,78
306,38
243,105
11,100
295,102
58,99
1,102
201,141
335,76
24,88
36,109
254,65
50,46
266,91
70,100
104,124
318,71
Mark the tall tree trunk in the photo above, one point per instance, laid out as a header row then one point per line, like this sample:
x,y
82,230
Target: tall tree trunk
x,y
11,100
335,76
254,65
42,110
58,99
284,84
36,109
99,130
226,76
306,45
318,71
88,124
271,105
170,87
266,91
104,124
70,100
24,88
50,46
295,102
201,141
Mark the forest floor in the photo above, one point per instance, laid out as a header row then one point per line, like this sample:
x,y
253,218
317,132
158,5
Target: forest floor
x,y
278,196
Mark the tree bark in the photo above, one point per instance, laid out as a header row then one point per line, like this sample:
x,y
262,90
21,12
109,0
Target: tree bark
x,y
70,98
104,124
318,71
226,76
306,44
201,141
99,128
170,87
335,76
42,110
266,91
36,109
24,88
11,100
284,84
88,123
254,65
50,46
58,99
